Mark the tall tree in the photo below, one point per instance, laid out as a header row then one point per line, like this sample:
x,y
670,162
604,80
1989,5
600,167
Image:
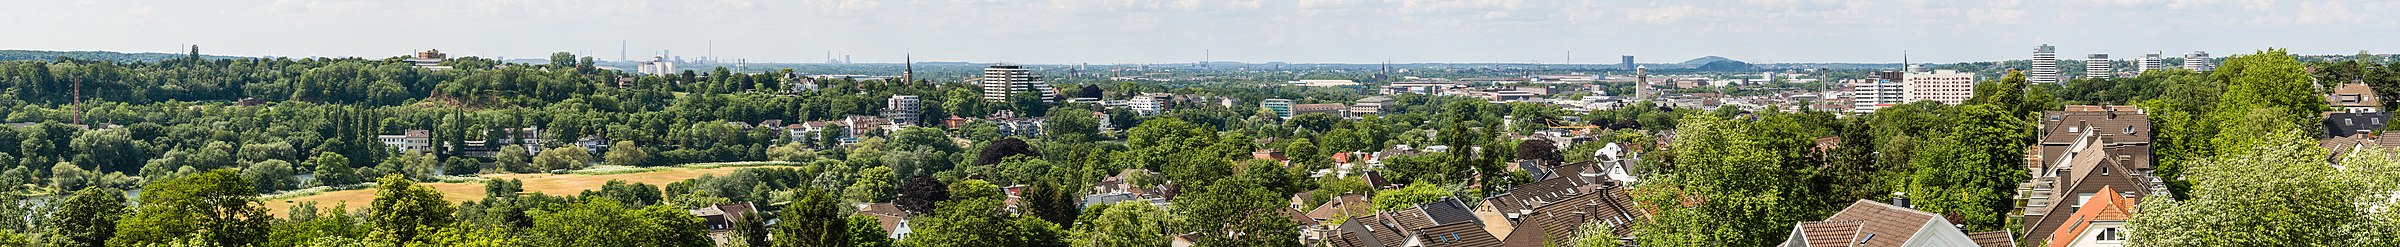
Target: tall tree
x,y
1736,193
815,220
88,219
1971,173
921,194
218,203
1539,149
865,231
980,221
333,169
601,221
751,230
874,184
2250,197
1000,149
1237,212
1126,224
625,153
564,158
405,211
1048,200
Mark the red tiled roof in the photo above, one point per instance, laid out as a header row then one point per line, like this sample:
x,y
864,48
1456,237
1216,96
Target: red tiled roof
x,y
2106,205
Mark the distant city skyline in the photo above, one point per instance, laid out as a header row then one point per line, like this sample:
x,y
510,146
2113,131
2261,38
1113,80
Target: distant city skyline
x,y
1252,31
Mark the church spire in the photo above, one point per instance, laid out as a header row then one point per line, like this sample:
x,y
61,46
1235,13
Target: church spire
x,y
908,68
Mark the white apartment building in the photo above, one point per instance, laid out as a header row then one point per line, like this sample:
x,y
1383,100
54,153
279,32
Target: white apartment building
x,y
1875,93
2045,65
2153,61
2096,66
420,141
1946,86
1149,103
2198,61
902,108
1001,81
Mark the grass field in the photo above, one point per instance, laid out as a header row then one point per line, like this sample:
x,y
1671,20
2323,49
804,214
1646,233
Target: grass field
x,y
554,184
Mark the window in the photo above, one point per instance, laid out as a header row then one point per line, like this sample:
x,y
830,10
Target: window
x,y
2109,234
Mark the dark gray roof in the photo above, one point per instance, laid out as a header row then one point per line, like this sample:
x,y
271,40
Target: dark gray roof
x,y
1447,211
2346,124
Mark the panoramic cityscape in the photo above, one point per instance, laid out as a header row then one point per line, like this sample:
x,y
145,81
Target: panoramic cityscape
x,y
1318,123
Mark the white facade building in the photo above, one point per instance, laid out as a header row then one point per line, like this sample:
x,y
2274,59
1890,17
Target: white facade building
x,y
1946,86
902,108
2096,66
2045,65
2153,61
1876,93
2198,61
1149,103
1001,81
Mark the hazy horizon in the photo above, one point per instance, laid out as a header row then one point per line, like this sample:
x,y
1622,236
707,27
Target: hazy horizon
x,y
1138,31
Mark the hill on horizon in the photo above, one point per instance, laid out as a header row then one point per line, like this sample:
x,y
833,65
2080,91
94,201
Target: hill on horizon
x,y
1705,60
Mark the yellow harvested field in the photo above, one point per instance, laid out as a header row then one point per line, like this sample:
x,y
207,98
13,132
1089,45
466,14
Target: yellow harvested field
x,y
553,184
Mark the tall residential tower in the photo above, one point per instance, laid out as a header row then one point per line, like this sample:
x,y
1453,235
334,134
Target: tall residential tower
x,y
2096,66
2198,61
2153,61
2045,65
1001,81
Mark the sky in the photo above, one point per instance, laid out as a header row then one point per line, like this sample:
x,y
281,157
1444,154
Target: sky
x,y
1185,31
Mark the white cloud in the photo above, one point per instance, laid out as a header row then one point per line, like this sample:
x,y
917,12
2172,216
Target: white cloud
x,y
1662,15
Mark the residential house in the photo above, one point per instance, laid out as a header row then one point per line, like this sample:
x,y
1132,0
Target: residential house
x,y
1344,206
2062,187
1869,223
2355,123
2340,146
721,219
2354,98
595,144
1020,126
1447,222
1617,162
1554,208
888,217
420,141
1149,104
2125,130
2101,223
1124,186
